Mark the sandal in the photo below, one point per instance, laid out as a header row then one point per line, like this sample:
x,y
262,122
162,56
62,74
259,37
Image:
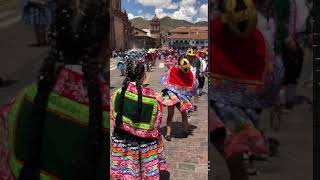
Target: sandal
x,y
167,137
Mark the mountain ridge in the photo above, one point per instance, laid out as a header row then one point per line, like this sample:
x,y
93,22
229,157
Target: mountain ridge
x,y
166,23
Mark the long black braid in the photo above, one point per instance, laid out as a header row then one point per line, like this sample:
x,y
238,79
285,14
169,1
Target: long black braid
x,y
139,73
73,40
134,74
92,29
129,75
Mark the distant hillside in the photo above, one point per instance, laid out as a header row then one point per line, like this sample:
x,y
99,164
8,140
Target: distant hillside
x,y
140,23
167,23
202,23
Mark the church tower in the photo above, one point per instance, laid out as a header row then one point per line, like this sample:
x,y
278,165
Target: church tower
x,y
155,29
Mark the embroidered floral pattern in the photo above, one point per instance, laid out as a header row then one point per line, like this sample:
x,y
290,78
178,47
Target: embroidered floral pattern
x,y
5,171
70,84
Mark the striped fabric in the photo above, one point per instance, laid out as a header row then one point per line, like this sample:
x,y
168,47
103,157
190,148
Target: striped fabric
x,y
132,160
170,98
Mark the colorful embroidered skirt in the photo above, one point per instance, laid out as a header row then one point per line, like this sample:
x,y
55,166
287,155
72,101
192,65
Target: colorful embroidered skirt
x,y
133,158
241,136
170,98
178,89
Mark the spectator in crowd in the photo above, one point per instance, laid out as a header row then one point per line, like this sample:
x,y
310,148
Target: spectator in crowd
x,y
39,14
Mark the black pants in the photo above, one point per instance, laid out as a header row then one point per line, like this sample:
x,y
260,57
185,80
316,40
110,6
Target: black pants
x,y
293,62
201,80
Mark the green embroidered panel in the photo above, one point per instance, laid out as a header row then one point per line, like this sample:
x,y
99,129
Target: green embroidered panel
x,y
147,116
68,107
64,139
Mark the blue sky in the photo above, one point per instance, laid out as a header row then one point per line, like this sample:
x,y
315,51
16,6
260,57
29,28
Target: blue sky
x,y
190,10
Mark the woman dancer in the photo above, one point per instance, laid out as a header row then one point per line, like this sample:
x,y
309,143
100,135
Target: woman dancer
x,y
137,150
180,85
244,81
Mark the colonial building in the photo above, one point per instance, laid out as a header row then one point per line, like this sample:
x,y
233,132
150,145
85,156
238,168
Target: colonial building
x,y
155,29
186,37
141,39
121,27
164,37
139,32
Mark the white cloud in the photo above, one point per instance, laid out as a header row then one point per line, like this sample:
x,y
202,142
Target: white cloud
x,y
183,10
168,4
186,3
203,13
160,13
204,10
131,16
187,10
172,6
201,19
181,14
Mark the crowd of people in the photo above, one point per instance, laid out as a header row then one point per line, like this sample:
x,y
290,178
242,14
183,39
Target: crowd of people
x,y
256,59
137,150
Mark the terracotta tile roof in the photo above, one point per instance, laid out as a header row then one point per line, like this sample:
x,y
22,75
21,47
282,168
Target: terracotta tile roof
x,y
180,29
188,29
190,36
